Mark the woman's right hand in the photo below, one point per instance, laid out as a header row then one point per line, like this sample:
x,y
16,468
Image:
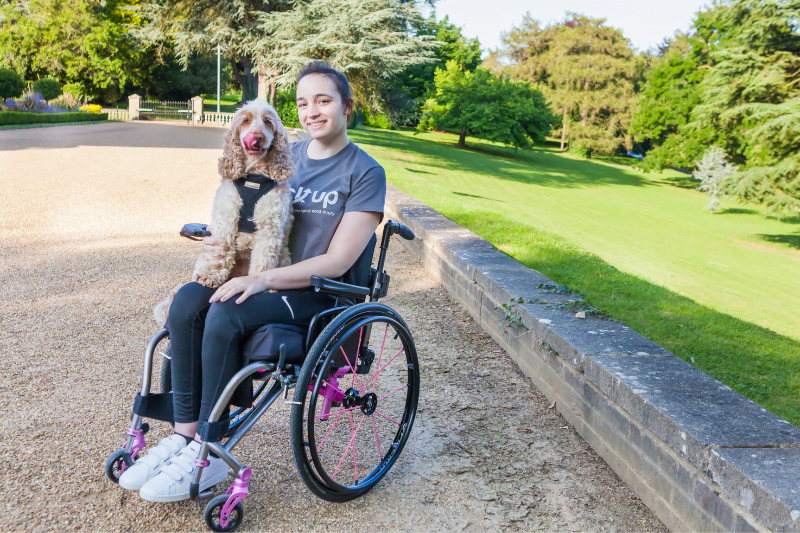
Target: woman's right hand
x,y
214,248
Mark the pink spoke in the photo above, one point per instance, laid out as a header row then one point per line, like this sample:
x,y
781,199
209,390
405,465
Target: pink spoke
x,y
352,368
379,356
401,388
384,366
358,348
341,411
352,440
355,467
380,453
329,431
387,418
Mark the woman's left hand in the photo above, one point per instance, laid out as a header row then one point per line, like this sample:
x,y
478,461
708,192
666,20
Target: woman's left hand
x,y
246,285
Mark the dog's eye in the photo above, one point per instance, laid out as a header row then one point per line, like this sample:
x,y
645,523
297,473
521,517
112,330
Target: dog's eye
x,y
245,120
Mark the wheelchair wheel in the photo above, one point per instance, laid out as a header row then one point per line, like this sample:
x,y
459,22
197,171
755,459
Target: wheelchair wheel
x,y
238,416
349,428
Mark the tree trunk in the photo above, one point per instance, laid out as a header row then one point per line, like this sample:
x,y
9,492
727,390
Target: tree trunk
x,y
564,129
263,84
251,93
273,92
629,141
462,138
267,86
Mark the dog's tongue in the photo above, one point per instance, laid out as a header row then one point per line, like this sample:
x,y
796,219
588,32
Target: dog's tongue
x,y
250,141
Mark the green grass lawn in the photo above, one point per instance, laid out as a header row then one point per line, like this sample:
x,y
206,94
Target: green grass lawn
x,y
720,291
227,102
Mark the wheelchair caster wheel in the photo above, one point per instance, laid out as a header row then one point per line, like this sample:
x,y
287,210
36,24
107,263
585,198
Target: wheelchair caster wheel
x,y
214,518
116,464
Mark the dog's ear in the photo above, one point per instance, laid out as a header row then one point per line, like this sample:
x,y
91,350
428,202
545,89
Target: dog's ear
x,y
279,160
231,164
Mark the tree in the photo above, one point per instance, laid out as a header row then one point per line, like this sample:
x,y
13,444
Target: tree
x,y
746,96
483,105
714,171
196,27
664,106
369,40
586,69
72,41
418,80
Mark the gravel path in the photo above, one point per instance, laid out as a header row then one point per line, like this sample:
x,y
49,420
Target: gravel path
x,y
89,218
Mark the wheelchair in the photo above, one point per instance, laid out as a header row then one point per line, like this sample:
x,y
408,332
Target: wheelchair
x,y
356,386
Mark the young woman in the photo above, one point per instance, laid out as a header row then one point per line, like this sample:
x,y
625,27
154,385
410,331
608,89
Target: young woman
x,y
339,195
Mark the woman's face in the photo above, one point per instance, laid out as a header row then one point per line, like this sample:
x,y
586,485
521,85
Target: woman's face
x,y
320,108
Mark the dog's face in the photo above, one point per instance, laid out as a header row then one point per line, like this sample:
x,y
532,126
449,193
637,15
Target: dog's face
x,y
255,127
256,142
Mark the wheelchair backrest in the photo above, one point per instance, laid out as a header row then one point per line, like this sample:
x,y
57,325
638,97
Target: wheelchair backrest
x,y
359,272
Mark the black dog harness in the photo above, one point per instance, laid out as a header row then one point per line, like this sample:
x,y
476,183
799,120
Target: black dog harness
x,y
251,188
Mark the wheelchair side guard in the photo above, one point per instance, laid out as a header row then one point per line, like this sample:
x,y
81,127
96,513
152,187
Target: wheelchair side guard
x,y
155,406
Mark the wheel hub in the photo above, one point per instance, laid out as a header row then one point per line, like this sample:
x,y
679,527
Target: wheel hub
x,y
351,399
369,403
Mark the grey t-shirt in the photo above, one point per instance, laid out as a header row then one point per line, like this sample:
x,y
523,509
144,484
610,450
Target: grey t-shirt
x,y
325,189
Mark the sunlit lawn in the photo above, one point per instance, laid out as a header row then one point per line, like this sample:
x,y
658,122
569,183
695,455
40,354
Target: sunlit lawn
x,y
227,102
721,291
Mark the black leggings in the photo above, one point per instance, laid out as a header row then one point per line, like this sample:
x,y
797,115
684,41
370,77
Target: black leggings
x,y
206,339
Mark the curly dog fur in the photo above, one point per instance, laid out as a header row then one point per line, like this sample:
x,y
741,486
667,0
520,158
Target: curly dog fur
x,y
256,143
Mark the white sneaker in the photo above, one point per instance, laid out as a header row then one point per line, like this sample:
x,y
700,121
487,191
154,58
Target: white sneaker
x,y
171,484
148,466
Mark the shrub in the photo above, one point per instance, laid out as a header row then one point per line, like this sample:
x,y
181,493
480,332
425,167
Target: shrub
x,y
576,147
33,101
11,84
74,89
67,102
48,88
16,117
375,121
286,107
91,108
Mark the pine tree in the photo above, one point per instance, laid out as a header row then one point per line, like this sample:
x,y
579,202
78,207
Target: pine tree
x,y
198,26
714,171
747,100
369,40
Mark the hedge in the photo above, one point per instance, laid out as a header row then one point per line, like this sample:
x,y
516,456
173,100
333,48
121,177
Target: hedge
x,y
21,117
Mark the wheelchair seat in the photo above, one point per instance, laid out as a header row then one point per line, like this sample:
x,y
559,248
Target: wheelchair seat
x,y
264,344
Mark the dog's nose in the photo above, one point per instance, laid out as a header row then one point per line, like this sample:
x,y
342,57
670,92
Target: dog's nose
x,y
258,135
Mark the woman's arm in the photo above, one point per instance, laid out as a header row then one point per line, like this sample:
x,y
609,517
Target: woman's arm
x,y
348,242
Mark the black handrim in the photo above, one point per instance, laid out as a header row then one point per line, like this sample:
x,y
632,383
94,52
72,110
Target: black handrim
x,y
393,450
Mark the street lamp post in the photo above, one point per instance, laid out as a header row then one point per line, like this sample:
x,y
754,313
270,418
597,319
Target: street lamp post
x,y
219,53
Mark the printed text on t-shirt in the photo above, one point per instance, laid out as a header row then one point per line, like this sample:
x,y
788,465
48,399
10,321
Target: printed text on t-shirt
x,y
316,196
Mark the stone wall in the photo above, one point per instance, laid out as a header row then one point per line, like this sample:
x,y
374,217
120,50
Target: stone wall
x,y
700,455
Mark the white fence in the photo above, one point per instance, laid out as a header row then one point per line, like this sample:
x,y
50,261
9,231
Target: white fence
x,y
217,119
116,114
199,115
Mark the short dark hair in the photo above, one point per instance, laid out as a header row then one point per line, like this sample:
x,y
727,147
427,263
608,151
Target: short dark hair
x,y
339,80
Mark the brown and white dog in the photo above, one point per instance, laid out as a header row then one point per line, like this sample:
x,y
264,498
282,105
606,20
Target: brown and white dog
x,y
256,144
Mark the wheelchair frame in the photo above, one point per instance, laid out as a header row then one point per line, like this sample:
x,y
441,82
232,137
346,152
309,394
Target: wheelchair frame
x,y
281,379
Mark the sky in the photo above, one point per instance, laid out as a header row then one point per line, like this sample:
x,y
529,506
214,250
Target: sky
x,y
643,22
